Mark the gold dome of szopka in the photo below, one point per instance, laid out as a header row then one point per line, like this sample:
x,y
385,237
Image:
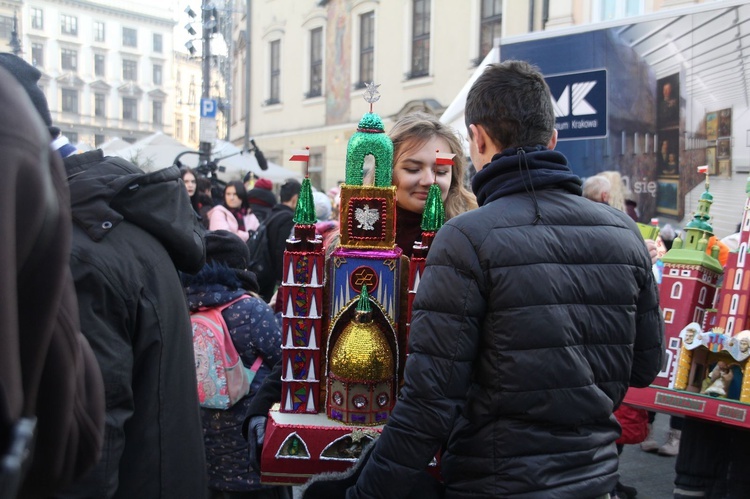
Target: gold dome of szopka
x,y
362,352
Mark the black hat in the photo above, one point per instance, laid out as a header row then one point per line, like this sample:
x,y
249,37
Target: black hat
x,y
262,197
28,76
225,247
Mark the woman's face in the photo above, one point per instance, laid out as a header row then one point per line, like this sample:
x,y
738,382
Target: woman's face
x,y
415,171
190,183
231,198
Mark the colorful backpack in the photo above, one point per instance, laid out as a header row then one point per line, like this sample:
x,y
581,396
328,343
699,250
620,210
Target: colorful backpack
x,y
222,378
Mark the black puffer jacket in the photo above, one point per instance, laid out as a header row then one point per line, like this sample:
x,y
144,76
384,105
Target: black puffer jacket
x,y
524,339
131,233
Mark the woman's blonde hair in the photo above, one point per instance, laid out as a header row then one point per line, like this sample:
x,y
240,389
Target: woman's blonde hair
x,y
415,129
618,192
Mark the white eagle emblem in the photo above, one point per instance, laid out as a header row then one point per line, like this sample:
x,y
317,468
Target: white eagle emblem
x,y
366,216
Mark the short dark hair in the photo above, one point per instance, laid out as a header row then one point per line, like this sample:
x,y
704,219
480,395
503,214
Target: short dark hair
x,y
289,189
512,102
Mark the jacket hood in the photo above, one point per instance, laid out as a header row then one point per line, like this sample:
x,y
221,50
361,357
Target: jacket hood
x,y
217,284
106,191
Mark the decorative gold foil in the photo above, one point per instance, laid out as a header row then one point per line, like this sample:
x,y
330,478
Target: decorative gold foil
x,y
362,354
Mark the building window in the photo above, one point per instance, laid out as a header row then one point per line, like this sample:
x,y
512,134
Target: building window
x,y
129,109
607,10
737,279
72,137
315,170
6,27
129,70
37,18
316,63
158,42
192,135
157,114
366,48
69,101
191,91
69,59
157,74
275,83
99,110
420,39
676,291
69,25
178,129
734,303
668,315
685,273
129,37
490,26
702,295
730,326
98,139
98,31
37,55
698,315
98,64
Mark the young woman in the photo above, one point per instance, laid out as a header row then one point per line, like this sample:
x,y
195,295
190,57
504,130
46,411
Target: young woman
x,y
415,138
233,213
201,202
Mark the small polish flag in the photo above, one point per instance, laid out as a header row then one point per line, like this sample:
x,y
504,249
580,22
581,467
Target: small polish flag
x,y
300,155
703,169
443,158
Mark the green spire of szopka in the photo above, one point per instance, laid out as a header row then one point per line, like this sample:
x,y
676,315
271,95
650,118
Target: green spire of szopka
x,y
304,214
691,250
433,216
363,305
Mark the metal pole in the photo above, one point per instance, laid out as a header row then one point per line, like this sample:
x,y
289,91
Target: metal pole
x,y
247,76
205,147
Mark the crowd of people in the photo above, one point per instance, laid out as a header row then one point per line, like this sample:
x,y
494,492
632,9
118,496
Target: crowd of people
x,y
523,381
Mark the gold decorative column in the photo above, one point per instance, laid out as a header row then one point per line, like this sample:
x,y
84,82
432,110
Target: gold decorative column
x,y
683,369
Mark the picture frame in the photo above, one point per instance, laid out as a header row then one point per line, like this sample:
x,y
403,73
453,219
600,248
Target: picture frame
x,y
668,101
667,197
725,122
668,153
723,148
712,126
711,160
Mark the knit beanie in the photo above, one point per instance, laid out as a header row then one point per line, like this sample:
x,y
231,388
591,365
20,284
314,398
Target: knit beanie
x,y
225,247
263,183
260,196
28,76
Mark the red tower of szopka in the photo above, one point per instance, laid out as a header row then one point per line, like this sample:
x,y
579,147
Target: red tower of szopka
x,y
733,299
433,217
688,284
302,302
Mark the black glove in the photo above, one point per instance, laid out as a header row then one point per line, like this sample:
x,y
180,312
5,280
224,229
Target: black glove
x,y
256,433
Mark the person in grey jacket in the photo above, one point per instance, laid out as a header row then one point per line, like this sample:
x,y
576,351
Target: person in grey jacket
x,y
132,232
535,314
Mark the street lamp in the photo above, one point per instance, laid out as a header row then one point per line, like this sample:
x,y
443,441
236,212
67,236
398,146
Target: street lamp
x,y
190,47
190,12
191,31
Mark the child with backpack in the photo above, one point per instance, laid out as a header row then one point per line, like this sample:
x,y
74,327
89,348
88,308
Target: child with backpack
x,y
224,306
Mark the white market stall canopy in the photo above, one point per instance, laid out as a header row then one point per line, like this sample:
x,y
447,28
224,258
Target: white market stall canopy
x,y
159,151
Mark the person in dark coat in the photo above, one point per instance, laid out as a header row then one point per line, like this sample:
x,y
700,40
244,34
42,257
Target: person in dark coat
x,y
261,198
280,222
132,233
535,313
51,390
256,334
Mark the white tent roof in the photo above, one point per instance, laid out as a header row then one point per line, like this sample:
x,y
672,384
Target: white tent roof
x,y
453,115
112,145
160,151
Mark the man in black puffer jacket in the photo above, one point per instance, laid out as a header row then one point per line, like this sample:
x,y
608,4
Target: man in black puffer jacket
x,y
535,313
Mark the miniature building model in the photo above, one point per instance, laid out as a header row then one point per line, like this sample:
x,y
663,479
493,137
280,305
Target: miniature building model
x,y
707,345
344,318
